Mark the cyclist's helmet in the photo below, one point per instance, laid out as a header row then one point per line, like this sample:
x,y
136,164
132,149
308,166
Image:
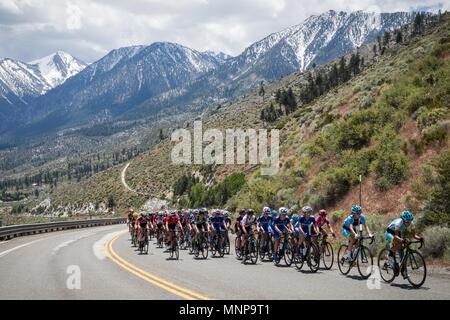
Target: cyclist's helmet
x,y
407,216
306,209
242,211
323,213
273,213
131,210
250,211
226,213
173,213
356,209
283,211
295,217
266,210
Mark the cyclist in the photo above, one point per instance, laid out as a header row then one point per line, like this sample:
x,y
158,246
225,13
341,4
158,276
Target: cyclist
x,y
227,220
218,224
247,221
130,217
263,223
281,225
201,223
172,222
397,233
238,227
142,227
294,222
321,221
355,219
307,227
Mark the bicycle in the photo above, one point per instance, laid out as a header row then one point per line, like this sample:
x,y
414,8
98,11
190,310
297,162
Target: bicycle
x,y
326,252
174,247
284,251
252,249
411,260
143,242
201,245
217,244
160,238
360,255
265,246
238,248
309,253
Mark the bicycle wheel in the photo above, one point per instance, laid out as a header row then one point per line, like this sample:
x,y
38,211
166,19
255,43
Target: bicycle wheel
x,y
227,245
386,270
177,252
269,249
288,254
298,258
416,268
313,257
364,262
262,248
196,248
237,249
253,251
344,266
221,246
327,255
204,249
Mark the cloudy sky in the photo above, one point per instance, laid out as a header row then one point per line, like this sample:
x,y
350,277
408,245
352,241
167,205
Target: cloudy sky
x,y
88,29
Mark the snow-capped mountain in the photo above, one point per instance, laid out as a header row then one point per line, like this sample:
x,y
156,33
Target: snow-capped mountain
x,y
20,81
58,67
219,56
126,77
140,81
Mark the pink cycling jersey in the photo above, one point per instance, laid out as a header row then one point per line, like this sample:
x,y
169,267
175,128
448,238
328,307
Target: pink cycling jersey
x,y
321,221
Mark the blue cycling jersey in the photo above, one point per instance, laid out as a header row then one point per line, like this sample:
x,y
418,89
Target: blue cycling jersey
x,y
351,220
306,224
281,224
397,226
217,221
264,222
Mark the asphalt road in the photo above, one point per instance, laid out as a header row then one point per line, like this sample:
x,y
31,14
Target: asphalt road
x,y
99,263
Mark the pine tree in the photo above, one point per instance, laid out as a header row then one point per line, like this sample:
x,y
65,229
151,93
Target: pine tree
x,y
399,37
261,92
386,39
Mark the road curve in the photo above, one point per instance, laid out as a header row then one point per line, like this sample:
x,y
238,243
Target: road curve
x,y
42,267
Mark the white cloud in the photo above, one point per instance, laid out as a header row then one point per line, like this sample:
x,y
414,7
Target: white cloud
x,y
90,28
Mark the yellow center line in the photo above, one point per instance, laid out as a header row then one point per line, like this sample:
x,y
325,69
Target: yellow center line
x,y
164,284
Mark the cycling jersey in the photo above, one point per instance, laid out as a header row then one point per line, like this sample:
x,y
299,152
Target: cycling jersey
x,y
280,224
350,220
265,222
248,220
306,224
160,220
237,226
320,222
201,222
172,220
398,227
217,222
142,222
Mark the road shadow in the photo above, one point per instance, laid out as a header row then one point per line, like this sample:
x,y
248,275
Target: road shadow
x,y
407,286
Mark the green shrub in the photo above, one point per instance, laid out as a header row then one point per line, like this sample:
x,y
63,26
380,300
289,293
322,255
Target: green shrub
x,y
437,209
437,242
427,117
436,134
337,216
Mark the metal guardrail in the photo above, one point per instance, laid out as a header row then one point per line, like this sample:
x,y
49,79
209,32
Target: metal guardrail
x,y
9,232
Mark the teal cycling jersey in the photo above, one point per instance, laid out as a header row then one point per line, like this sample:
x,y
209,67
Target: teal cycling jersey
x,y
398,227
350,220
